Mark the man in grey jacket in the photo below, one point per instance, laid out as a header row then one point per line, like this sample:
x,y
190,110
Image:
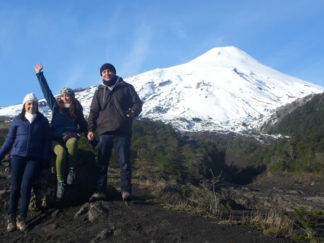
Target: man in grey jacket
x,y
113,107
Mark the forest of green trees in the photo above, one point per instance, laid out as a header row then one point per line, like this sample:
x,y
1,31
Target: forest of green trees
x,y
193,156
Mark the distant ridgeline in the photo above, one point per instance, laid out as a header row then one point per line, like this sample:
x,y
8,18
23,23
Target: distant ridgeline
x,y
4,118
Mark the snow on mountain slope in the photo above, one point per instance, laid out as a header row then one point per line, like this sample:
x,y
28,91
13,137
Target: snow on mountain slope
x,y
224,89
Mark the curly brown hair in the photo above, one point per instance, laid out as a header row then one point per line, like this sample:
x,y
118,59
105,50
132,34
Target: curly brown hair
x,y
76,109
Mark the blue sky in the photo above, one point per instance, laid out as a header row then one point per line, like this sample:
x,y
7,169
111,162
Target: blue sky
x,y
72,39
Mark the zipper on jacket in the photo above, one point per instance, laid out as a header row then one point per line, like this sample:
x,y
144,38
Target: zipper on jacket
x,y
104,94
29,137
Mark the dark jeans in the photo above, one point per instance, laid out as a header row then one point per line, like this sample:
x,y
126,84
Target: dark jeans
x,y
23,173
121,144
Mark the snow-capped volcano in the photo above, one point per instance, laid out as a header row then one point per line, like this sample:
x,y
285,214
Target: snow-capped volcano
x,y
224,89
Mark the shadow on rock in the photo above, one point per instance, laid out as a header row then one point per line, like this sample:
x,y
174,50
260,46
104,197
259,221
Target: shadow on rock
x,y
45,188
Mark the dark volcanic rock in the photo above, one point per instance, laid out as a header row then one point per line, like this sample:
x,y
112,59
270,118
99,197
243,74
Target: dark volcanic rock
x,y
82,211
113,221
45,189
103,235
97,210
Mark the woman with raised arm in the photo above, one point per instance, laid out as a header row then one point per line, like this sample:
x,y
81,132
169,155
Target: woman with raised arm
x,y
29,142
66,125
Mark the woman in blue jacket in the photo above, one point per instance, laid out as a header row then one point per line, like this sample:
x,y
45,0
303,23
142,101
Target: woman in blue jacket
x,y
29,142
67,122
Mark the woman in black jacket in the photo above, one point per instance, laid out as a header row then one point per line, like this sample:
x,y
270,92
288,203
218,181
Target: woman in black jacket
x,y
29,142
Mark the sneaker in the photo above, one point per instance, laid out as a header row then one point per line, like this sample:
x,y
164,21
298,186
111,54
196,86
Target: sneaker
x,y
97,196
11,223
60,190
71,177
21,223
126,196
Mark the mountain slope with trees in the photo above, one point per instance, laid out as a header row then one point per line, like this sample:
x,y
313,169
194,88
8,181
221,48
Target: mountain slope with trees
x,y
303,148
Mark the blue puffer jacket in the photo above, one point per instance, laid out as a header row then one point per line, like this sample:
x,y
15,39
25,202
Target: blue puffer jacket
x,y
61,122
28,140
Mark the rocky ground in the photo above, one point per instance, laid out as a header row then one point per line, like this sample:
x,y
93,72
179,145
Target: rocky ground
x,y
284,191
112,220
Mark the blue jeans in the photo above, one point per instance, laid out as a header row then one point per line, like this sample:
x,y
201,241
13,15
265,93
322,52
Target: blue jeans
x,y
23,174
121,144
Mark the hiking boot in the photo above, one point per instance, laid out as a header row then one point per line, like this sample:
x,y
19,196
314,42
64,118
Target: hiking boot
x,y
126,196
11,223
71,177
97,196
21,223
60,190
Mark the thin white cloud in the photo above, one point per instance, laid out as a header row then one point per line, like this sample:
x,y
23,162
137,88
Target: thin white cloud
x,y
133,62
74,38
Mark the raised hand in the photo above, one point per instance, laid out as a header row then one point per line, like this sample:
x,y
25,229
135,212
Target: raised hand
x,y
38,67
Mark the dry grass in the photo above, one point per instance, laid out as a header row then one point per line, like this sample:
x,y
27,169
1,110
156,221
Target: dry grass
x,y
304,178
202,201
273,223
291,178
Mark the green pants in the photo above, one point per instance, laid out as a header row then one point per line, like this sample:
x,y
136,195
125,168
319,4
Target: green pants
x,y
65,156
